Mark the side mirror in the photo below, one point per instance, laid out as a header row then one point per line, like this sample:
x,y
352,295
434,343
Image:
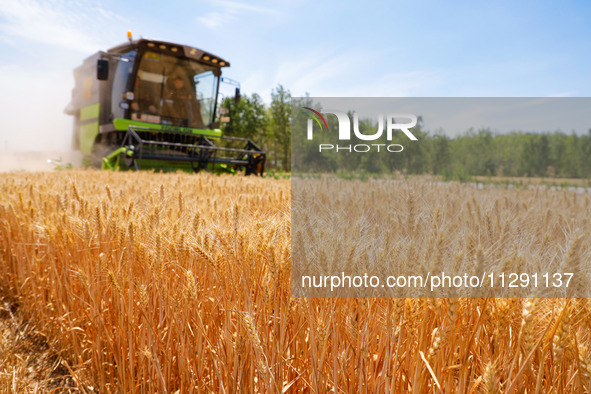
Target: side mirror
x,y
237,96
102,69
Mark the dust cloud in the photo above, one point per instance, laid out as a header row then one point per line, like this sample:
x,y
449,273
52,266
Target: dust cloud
x,y
35,133
39,161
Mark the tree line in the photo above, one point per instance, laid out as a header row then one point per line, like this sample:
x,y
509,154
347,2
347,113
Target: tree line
x,y
268,126
473,153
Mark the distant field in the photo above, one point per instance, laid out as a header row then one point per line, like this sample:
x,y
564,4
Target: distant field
x,y
144,282
535,180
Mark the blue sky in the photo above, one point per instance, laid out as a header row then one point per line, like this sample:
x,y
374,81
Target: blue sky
x,y
330,48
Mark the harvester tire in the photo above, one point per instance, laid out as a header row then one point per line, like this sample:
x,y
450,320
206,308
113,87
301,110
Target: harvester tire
x,y
99,151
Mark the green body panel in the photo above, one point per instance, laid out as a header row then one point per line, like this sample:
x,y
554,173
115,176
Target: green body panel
x,y
89,127
90,112
88,133
123,125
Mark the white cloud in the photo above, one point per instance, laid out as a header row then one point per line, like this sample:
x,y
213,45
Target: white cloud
x,y
228,11
234,6
75,26
342,74
213,20
563,94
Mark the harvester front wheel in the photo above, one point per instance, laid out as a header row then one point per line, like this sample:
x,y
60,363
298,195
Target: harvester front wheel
x,y
100,150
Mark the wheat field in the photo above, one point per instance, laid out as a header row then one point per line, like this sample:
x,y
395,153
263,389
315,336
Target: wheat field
x,y
145,282
517,241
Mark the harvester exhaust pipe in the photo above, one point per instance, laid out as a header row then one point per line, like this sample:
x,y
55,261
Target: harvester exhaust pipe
x,y
237,96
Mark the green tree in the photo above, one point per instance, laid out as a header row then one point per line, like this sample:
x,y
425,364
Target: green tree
x,y
280,125
535,154
441,154
248,119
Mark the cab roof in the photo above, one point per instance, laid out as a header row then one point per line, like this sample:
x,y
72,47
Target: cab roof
x,y
171,49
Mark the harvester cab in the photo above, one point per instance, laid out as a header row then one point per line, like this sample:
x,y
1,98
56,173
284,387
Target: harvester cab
x,y
154,104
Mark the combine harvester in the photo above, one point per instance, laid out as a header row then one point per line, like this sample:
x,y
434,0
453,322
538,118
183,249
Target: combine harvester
x,y
154,104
